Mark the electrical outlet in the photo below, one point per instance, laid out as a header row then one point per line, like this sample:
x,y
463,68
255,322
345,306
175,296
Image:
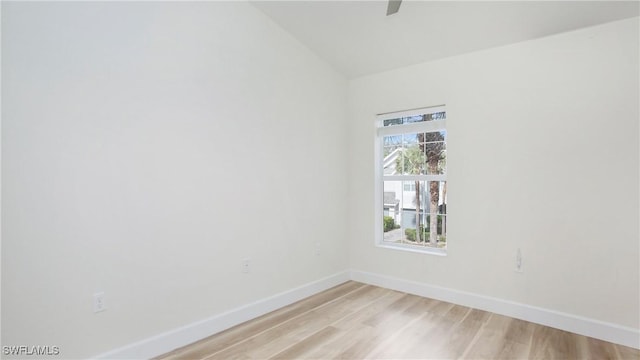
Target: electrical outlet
x,y
317,249
518,261
246,265
99,303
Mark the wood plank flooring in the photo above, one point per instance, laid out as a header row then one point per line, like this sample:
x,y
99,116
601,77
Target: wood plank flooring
x,y
358,321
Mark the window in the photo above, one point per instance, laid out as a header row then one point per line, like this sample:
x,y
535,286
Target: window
x,y
411,185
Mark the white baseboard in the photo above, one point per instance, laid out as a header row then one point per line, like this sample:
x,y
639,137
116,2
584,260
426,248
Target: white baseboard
x,y
168,341
576,324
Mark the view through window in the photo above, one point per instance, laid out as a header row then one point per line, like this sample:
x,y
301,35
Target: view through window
x,y
412,161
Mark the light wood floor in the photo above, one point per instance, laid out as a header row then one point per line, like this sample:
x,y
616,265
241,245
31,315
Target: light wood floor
x,y
358,321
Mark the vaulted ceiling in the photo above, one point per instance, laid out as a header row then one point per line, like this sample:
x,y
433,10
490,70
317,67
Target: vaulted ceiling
x,y
358,39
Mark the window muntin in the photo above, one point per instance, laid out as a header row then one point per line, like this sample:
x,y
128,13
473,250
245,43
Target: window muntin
x,y
411,165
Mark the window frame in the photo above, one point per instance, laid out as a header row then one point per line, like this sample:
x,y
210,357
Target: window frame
x,y
380,132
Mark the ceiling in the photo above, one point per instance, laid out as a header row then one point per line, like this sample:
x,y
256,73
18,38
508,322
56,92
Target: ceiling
x,y
358,39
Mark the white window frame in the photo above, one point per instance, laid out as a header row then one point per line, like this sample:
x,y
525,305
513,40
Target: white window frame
x,y
381,132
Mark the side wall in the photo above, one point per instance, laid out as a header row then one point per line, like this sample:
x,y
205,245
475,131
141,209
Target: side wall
x,y
542,156
147,148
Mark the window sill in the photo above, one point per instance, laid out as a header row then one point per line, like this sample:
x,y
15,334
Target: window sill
x,y
412,248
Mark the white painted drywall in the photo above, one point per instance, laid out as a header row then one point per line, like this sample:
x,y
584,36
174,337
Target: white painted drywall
x,y
542,156
129,132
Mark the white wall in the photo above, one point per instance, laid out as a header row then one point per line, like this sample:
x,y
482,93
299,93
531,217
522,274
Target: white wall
x,y
128,131
543,156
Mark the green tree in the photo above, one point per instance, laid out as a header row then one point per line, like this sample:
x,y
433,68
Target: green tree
x,y
412,161
432,145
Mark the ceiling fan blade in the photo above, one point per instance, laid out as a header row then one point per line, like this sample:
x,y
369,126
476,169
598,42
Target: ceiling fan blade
x,y
393,7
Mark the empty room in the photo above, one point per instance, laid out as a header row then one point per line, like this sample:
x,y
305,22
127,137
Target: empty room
x,y
271,180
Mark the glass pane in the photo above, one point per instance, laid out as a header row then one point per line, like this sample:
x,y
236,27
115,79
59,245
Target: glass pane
x,y
405,212
415,154
442,115
414,119
392,147
413,211
408,208
411,161
392,207
434,147
393,140
392,122
436,230
409,139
